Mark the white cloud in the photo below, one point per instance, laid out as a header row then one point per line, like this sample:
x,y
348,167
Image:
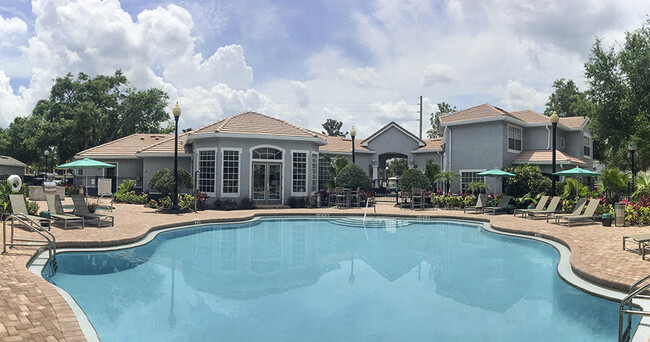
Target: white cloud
x,y
11,29
516,96
362,77
439,73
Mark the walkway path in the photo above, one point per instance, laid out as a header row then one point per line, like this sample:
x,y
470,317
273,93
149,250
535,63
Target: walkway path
x,y
32,310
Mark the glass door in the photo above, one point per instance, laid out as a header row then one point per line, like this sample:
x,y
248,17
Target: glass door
x,y
275,183
267,183
259,182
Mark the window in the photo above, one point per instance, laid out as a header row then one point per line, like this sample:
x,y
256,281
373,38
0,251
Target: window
x,y
267,153
314,172
80,172
467,176
562,143
587,149
207,174
299,172
324,175
514,139
230,172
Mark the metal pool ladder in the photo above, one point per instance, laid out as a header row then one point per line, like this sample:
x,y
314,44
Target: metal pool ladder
x,y
48,241
635,292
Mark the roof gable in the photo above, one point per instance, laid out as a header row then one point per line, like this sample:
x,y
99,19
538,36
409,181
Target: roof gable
x,y
125,146
254,123
482,111
392,124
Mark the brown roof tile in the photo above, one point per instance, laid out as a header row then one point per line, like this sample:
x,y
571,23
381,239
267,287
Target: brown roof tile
x,y
573,122
546,157
9,161
126,146
341,145
530,116
478,112
167,146
431,144
254,123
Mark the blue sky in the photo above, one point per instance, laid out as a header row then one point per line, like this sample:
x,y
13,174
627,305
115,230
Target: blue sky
x,y
362,62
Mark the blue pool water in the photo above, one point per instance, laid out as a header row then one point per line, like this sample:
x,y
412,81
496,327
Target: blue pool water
x,y
329,280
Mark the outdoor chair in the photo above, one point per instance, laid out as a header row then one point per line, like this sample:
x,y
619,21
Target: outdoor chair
x,y
480,204
552,207
587,216
19,209
355,196
641,240
331,197
577,210
540,206
417,198
502,206
57,214
342,200
81,210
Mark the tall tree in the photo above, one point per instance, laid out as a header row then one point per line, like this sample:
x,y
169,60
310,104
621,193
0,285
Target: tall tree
x,y
444,108
619,81
567,100
333,128
397,166
83,112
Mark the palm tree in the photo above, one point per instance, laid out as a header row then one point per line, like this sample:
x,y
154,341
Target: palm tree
x,y
432,171
642,185
614,184
447,177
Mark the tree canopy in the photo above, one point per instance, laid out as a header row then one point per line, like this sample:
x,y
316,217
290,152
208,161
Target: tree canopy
x,y
333,128
444,108
567,100
83,112
397,166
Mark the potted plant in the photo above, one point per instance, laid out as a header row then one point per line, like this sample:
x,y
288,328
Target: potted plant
x,y
607,219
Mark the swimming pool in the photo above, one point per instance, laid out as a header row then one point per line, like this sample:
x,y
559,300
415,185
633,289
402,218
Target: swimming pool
x,y
290,279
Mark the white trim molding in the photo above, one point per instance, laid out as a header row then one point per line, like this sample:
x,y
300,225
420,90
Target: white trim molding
x,y
307,180
521,138
239,163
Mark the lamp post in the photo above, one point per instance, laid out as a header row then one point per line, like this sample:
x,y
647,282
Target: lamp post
x,y
177,113
554,120
47,154
632,148
353,134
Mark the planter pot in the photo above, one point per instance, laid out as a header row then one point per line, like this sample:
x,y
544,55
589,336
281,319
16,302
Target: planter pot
x,y
607,222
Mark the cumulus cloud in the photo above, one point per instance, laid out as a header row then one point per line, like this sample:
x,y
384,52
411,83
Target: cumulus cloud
x,y
11,29
517,96
439,73
367,76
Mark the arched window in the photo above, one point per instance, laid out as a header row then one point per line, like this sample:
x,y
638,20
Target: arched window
x,y
267,153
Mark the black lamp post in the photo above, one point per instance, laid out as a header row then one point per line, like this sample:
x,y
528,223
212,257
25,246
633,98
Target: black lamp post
x,y
632,148
554,120
177,113
353,134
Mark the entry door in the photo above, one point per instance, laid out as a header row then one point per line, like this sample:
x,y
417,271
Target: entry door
x,y
267,183
110,173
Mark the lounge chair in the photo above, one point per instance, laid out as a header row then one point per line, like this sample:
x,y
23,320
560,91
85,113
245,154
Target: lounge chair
x,y
503,204
480,204
81,210
540,206
577,210
588,215
552,207
57,214
19,209
417,198
641,240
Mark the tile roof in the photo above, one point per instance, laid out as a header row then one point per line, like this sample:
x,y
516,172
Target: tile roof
x,y
431,144
573,122
126,146
477,112
254,123
341,145
546,157
385,128
530,116
167,146
9,161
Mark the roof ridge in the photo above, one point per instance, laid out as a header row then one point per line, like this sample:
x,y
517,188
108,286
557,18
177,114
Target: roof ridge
x,y
161,142
285,122
115,141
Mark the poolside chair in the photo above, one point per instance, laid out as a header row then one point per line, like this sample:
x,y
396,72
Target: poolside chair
x,y
641,240
356,196
580,204
19,209
81,210
540,206
417,198
480,203
56,211
342,200
588,215
331,197
503,205
552,207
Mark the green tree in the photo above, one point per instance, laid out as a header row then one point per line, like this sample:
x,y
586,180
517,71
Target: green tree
x,y
614,184
528,179
333,128
477,187
642,181
446,177
618,81
444,108
568,100
397,166
432,171
413,178
163,181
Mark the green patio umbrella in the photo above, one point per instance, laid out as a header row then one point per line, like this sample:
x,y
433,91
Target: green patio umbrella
x,y
576,171
496,173
85,163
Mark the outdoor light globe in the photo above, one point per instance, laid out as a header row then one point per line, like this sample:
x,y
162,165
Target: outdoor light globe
x,y
46,152
631,147
353,133
555,118
176,111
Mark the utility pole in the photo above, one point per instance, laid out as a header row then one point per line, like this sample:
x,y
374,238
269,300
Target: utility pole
x,y
420,117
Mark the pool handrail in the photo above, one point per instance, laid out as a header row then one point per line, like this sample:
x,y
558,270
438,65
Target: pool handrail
x,y
624,334
49,242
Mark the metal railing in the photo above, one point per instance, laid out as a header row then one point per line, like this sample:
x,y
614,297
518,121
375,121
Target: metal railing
x,y
49,241
635,292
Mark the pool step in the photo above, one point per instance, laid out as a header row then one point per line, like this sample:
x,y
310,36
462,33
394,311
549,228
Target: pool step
x,y
371,223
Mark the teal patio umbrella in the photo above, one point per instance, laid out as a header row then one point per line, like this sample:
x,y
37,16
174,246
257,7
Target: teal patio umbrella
x,y
496,173
85,163
577,172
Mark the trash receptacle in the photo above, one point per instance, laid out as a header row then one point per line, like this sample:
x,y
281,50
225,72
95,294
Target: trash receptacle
x,y
619,214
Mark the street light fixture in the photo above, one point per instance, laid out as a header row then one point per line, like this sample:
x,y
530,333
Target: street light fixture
x,y
47,154
632,148
177,113
554,120
353,134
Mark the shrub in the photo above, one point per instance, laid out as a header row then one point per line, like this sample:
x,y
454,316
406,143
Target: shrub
x,y
125,186
614,183
201,198
152,204
527,179
186,202
246,203
131,198
413,178
296,202
71,190
353,176
32,208
225,205
163,181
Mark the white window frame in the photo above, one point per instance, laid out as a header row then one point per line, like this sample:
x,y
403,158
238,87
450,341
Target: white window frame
x,y
460,174
315,156
307,180
239,152
521,136
279,161
216,168
588,145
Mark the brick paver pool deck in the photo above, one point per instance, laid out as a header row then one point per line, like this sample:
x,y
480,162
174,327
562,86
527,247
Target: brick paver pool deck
x,y
32,310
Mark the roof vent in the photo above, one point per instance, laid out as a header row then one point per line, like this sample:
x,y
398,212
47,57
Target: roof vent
x,y
157,138
141,138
